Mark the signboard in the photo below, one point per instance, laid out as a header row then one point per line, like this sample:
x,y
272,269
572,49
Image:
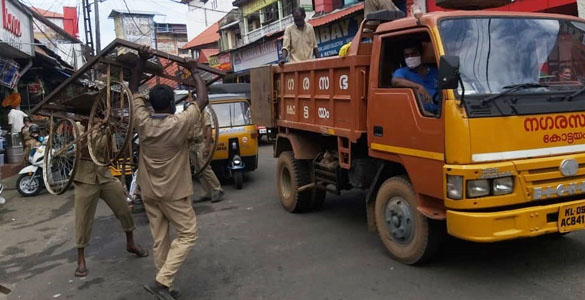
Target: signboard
x,y
139,29
331,36
255,5
9,73
256,55
221,62
16,31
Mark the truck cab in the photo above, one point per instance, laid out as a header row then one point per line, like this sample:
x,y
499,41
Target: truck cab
x,y
501,158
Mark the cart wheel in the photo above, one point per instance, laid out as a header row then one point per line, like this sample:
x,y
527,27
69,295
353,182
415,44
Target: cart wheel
x,y
61,156
111,115
213,144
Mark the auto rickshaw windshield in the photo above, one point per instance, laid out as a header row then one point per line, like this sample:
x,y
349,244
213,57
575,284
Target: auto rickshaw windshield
x,y
233,114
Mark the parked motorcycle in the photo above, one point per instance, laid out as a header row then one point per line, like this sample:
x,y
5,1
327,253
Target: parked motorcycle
x,y
30,179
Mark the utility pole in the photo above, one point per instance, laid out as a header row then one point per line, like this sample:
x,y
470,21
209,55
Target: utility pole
x,y
98,44
205,13
87,25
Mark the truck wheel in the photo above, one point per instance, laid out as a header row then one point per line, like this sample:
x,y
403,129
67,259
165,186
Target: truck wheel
x,y
291,174
408,235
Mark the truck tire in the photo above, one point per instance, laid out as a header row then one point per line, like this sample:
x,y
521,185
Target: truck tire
x,y
291,174
408,235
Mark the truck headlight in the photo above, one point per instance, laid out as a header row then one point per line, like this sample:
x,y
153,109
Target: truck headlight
x,y
455,187
503,186
478,188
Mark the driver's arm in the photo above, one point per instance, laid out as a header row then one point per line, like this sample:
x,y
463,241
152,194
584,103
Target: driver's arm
x,y
405,83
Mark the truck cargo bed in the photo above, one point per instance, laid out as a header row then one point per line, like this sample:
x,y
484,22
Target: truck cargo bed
x,y
326,95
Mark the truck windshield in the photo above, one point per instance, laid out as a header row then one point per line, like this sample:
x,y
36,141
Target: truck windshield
x,y
500,52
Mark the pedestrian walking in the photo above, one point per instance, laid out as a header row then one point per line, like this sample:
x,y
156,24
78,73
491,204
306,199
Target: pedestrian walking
x,y
199,150
93,182
164,178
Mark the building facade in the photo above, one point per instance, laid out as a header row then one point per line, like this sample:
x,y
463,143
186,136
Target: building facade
x,y
171,38
204,13
63,42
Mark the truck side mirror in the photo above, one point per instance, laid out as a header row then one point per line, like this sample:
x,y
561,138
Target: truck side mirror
x,y
449,72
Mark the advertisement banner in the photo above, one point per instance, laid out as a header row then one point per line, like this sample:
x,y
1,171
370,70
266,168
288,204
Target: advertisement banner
x,y
16,30
331,36
255,5
256,55
221,62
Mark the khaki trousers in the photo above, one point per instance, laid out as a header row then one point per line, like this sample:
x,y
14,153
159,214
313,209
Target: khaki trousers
x,y
86,198
169,256
208,180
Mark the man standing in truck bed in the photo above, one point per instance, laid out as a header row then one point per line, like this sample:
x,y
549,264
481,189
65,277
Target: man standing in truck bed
x,y
299,41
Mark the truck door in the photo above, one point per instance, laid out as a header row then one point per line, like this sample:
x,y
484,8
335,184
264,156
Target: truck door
x,y
399,127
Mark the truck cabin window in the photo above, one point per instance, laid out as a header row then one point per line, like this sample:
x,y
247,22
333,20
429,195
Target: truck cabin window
x,y
409,62
518,64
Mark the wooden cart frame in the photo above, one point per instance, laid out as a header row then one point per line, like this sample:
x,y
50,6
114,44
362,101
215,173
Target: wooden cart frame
x,y
97,97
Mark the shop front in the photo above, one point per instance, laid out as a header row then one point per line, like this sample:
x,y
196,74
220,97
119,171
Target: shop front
x,y
16,44
16,54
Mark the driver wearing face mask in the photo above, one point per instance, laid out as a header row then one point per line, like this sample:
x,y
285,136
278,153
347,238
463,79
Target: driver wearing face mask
x,y
416,75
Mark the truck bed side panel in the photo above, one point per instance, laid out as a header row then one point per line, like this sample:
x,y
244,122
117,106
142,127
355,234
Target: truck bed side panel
x,y
328,97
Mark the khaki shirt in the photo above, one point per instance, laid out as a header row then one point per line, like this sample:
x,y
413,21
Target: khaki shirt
x,y
87,171
375,5
163,169
299,42
197,133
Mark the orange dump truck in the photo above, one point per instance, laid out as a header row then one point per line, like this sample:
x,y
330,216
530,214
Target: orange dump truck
x,y
503,156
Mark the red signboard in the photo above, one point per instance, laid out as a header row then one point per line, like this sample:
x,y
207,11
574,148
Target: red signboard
x,y
9,21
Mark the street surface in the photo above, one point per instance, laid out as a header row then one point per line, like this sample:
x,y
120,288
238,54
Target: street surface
x,y
250,248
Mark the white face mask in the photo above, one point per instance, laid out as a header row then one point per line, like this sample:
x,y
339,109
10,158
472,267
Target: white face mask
x,y
413,62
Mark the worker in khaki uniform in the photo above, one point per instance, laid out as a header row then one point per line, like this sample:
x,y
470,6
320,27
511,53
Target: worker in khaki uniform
x,y
299,41
164,177
199,150
91,183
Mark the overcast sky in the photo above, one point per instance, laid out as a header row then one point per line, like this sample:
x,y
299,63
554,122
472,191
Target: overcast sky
x,y
173,13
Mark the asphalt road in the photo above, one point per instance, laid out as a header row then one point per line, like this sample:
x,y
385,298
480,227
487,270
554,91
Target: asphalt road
x,y
250,248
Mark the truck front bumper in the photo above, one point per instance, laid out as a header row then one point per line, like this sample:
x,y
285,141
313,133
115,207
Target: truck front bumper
x,y
505,225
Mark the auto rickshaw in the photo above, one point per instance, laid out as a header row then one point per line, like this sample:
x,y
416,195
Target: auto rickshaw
x,y
237,148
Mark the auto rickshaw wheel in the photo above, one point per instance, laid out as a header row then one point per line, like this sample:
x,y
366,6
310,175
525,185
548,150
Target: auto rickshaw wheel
x,y
238,178
211,144
62,154
111,114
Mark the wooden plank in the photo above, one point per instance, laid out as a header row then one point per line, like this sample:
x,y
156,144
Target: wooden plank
x,y
261,96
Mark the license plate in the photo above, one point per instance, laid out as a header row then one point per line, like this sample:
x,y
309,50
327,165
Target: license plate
x,y
262,131
572,217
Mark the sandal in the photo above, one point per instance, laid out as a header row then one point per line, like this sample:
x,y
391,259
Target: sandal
x,y
138,251
80,272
